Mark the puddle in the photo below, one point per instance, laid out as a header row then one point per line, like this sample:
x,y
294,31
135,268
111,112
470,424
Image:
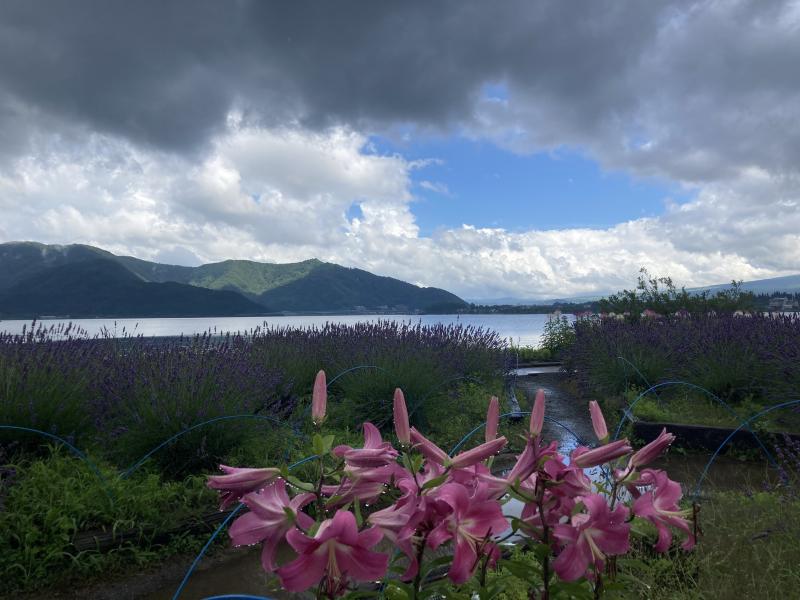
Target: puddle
x,y
525,371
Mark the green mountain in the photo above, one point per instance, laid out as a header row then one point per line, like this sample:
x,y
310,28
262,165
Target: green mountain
x,y
308,286
98,287
19,260
243,276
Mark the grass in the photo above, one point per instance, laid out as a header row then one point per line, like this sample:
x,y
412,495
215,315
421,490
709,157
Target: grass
x,y
532,354
56,498
748,549
701,410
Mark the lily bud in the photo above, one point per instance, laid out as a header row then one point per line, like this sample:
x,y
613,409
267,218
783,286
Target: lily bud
x,y
401,426
478,454
537,415
492,418
236,482
319,399
598,421
584,458
428,449
650,452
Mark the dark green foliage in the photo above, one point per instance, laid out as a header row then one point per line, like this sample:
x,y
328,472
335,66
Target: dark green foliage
x,y
54,500
102,287
77,280
426,362
558,336
329,287
152,392
46,386
660,295
734,357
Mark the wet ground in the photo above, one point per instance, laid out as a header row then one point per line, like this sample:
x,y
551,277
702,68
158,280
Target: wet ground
x,y
239,570
566,417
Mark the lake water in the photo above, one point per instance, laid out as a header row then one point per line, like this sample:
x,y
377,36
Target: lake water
x,y
525,330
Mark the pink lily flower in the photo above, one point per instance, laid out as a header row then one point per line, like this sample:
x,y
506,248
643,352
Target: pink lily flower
x,y
633,480
319,399
470,524
568,481
590,537
375,453
556,508
271,516
338,551
401,426
529,460
409,484
648,453
492,418
399,523
364,485
598,421
237,482
585,458
537,414
479,482
660,506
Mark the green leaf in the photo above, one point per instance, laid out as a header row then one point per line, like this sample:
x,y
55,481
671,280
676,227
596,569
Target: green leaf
x,y
572,589
495,588
327,443
318,444
357,511
303,485
541,551
523,570
428,566
436,481
393,591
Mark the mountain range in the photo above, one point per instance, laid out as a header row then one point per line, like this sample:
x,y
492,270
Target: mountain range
x,y
786,284
84,281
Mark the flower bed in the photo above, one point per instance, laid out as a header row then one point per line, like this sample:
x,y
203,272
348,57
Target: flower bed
x,y
422,499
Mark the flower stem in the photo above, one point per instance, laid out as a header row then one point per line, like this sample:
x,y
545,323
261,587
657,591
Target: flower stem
x,y
545,539
418,577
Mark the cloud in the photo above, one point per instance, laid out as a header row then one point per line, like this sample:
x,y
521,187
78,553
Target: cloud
x,y
691,91
437,187
284,195
201,130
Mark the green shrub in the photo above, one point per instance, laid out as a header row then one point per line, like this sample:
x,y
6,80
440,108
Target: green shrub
x,y
54,499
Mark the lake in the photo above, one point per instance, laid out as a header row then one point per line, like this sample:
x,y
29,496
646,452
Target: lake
x,y
525,330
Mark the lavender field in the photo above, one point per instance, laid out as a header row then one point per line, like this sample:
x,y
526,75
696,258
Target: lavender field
x,y
122,396
748,361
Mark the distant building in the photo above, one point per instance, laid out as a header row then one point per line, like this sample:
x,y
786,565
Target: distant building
x,y
782,304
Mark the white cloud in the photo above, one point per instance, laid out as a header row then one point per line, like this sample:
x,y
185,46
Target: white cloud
x,y
283,195
437,187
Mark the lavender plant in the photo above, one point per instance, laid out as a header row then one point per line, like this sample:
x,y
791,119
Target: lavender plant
x,y
735,357
124,396
45,377
151,392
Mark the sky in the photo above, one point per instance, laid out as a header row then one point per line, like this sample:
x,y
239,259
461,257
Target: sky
x,y
495,149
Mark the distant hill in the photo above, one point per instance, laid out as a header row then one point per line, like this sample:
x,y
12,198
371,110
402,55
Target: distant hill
x,y
340,288
789,284
308,286
100,287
